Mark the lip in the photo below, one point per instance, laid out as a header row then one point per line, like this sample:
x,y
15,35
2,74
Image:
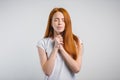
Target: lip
x,y
59,27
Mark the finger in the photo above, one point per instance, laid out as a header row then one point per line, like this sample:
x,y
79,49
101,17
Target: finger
x,y
61,42
60,37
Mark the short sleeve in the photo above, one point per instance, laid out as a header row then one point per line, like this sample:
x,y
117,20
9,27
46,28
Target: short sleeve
x,y
81,42
41,44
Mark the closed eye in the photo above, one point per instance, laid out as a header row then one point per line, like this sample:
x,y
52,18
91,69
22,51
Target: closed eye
x,y
56,19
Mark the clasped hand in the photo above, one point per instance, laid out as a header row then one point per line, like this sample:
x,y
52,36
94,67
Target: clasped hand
x,y
58,42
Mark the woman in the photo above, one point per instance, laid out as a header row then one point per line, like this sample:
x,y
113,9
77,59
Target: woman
x,y
60,50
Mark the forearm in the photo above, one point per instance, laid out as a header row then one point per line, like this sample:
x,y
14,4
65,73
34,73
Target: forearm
x,y
49,65
72,64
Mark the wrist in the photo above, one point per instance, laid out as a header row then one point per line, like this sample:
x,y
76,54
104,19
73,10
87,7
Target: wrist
x,y
55,48
62,49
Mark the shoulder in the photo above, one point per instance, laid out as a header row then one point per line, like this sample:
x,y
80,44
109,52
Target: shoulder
x,y
42,42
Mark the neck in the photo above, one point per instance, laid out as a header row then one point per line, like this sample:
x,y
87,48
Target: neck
x,y
56,33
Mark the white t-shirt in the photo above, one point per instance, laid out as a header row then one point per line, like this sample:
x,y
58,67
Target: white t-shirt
x,y
60,70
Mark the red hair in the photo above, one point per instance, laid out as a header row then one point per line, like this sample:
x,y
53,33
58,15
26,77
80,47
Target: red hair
x,y
69,39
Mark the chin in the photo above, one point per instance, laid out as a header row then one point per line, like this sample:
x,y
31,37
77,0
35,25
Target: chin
x,y
59,31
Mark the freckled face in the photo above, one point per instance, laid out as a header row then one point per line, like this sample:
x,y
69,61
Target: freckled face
x,y
58,23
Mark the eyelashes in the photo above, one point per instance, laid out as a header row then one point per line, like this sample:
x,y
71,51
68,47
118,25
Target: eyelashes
x,y
56,20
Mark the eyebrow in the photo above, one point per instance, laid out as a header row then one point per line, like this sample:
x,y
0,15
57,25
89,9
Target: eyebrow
x,y
58,18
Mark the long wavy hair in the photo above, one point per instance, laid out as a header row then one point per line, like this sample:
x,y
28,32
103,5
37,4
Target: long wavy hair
x,y
69,39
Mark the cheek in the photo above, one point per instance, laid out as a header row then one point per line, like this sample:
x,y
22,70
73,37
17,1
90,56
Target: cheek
x,y
64,24
54,23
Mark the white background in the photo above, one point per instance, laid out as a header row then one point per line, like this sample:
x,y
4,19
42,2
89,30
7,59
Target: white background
x,y
23,23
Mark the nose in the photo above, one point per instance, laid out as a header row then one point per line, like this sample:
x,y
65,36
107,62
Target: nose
x,y
60,22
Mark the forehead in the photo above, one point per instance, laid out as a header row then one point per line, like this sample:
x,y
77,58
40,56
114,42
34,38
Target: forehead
x,y
58,15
